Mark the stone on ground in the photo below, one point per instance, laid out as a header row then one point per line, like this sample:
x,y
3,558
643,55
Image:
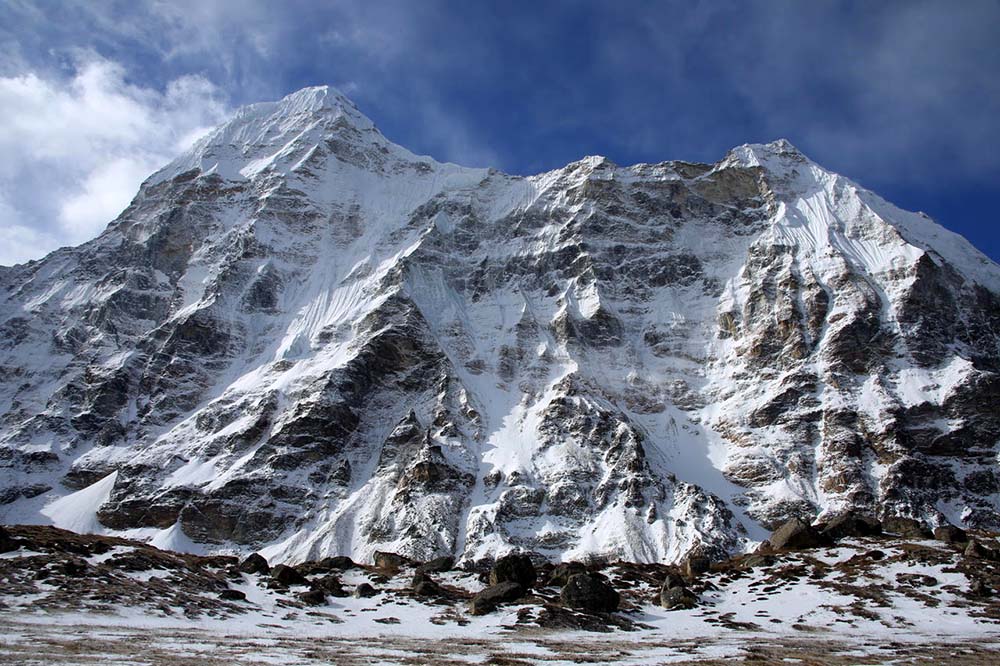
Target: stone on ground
x,y
514,568
487,600
852,525
589,592
286,575
255,564
950,534
796,534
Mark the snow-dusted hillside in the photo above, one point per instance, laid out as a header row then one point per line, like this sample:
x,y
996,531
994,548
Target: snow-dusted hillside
x,y
303,338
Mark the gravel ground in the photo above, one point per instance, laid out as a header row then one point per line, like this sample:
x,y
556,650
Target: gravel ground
x,y
31,644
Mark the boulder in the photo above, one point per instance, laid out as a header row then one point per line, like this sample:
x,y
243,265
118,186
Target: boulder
x,y
950,534
905,527
428,588
561,572
589,592
232,595
916,580
852,525
389,561
866,557
513,568
313,597
695,565
286,575
979,589
365,591
543,571
437,565
418,578
487,600
339,563
330,585
673,580
74,568
101,547
674,597
7,542
759,560
425,588
980,551
674,593
208,561
796,534
255,564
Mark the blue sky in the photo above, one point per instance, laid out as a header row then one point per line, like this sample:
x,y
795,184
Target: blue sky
x,y
903,97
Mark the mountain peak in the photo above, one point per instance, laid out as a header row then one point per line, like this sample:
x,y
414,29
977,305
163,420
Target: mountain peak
x,y
260,133
773,156
308,102
316,97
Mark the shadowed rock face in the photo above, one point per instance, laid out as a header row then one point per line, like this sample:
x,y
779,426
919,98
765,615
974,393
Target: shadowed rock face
x,y
301,336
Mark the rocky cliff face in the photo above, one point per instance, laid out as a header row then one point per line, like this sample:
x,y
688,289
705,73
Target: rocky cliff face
x,y
303,338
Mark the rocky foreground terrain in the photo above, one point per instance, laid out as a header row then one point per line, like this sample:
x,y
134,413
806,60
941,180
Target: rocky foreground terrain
x,y
831,593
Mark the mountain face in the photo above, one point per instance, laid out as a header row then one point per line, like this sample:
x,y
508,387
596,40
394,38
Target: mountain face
x,y
302,338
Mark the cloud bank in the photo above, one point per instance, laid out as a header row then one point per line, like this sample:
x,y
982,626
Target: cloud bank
x,y
76,149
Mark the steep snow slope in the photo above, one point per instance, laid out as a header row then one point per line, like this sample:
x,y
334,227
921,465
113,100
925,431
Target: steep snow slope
x,y
304,338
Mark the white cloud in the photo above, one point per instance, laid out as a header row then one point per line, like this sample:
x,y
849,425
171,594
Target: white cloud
x,y
19,243
103,194
75,150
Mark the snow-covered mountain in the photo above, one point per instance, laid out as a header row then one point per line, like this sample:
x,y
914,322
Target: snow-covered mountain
x,y
302,338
